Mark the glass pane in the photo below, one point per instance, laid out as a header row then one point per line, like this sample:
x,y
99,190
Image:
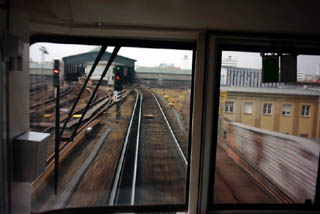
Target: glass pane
x,y
308,69
270,155
248,108
132,145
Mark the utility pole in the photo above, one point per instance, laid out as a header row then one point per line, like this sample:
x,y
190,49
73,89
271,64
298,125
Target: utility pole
x,y
43,53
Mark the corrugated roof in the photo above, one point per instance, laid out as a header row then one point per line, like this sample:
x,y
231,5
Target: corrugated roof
x,y
162,70
280,91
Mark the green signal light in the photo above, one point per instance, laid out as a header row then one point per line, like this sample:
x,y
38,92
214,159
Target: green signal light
x,y
118,68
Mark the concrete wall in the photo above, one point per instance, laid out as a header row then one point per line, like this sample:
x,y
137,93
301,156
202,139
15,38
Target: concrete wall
x,y
156,76
267,121
286,122
306,123
164,83
246,118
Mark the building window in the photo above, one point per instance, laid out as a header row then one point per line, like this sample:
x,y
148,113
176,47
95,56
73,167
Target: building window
x,y
305,111
304,135
224,135
267,109
247,108
286,109
228,107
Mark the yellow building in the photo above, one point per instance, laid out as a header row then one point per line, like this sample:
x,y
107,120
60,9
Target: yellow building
x,y
293,111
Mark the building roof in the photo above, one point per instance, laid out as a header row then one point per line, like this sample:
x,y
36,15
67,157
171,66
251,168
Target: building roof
x,y
278,91
91,56
162,70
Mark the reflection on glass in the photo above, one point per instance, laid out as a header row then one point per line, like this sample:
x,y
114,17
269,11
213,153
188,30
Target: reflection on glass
x,y
268,134
132,146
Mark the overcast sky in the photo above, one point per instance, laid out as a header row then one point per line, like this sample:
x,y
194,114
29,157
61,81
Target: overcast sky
x,y
306,64
144,56
154,57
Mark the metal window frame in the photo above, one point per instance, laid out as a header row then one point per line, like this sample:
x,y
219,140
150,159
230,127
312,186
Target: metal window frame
x,y
138,43
235,41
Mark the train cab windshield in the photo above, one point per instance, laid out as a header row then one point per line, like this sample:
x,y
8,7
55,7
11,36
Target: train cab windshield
x,y
267,131
124,125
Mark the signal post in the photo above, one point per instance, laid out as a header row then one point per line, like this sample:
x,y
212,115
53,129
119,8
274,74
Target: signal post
x,y
118,81
56,84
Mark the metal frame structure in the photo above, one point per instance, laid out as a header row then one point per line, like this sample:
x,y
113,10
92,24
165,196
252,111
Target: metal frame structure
x,y
216,43
96,61
59,134
112,57
118,43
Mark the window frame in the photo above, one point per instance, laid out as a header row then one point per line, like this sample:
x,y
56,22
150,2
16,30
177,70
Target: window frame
x,y
244,107
228,106
303,110
266,113
218,42
137,43
282,110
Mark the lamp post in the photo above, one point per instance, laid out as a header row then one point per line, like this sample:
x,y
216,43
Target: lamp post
x,y
43,53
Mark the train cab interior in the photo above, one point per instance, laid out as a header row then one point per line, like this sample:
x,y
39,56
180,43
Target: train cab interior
x,y
227,94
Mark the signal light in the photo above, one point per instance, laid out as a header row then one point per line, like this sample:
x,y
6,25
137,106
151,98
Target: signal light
x,y
118,77
56,72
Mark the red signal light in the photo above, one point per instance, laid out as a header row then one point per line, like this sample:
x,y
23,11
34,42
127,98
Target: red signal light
x,y
117,78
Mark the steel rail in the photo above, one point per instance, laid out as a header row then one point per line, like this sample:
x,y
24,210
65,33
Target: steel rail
x,y
116,181
171,131
112,57
63,93
96,61
136,154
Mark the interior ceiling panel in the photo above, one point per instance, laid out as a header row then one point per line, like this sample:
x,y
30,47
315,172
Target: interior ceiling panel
x,y
278,16
231,15
60,8
33,8
53,10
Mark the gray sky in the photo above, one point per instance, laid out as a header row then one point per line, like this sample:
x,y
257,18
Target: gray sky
x,y
154,57
306,64
144,56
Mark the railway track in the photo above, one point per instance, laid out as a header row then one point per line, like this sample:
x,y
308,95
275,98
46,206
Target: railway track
x,y
51,99
121,178
151,159
91,120
74,161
